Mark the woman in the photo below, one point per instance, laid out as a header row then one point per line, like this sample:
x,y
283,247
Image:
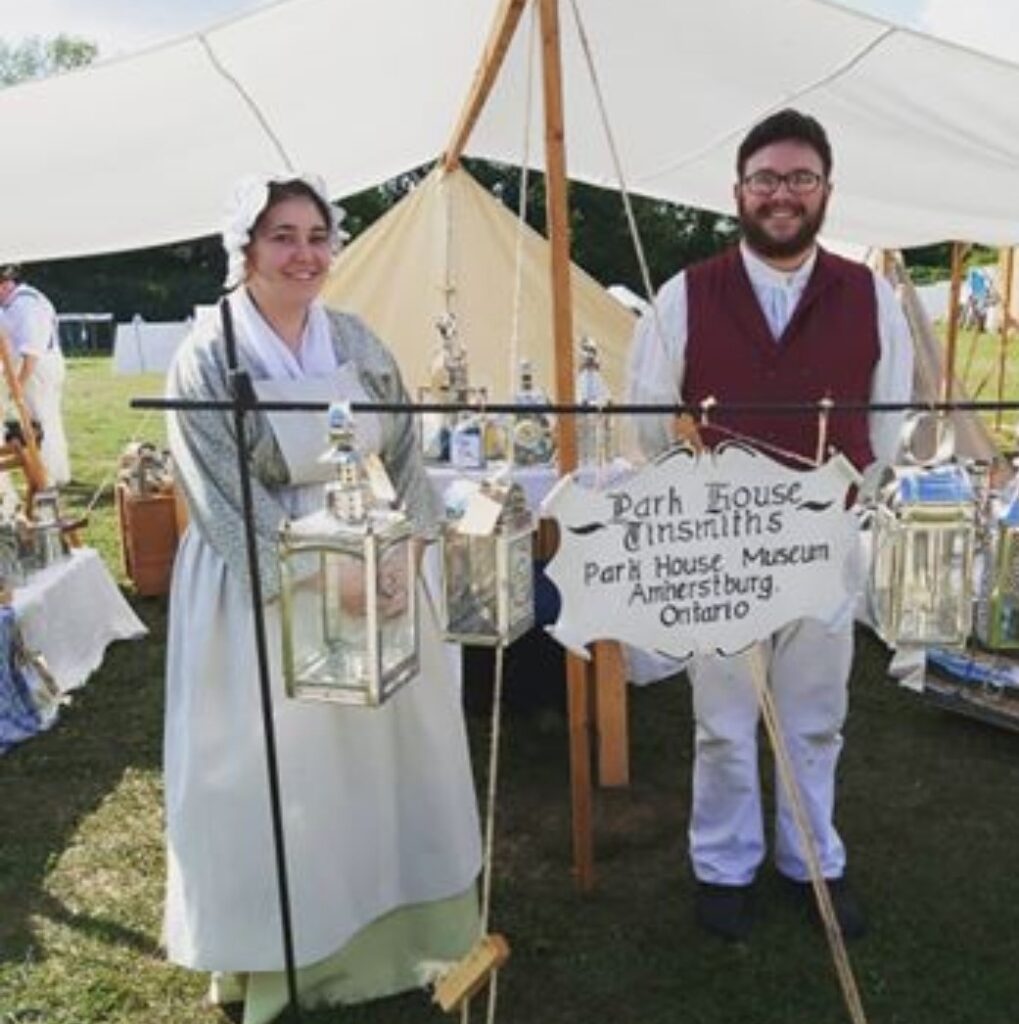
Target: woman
x,y
379,812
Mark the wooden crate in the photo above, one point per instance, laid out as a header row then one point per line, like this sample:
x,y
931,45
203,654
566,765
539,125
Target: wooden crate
x,y
149,529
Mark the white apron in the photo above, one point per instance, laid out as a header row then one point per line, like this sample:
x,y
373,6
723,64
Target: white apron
x,y
379,806
43,396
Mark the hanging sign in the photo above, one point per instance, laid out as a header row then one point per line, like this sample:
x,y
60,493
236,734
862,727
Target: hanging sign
x,y
700,553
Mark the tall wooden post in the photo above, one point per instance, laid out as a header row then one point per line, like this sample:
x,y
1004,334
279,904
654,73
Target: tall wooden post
x,y
578,672
948,382
1006,310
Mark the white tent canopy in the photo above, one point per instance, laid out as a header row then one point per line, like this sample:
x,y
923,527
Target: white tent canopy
x,y
139,150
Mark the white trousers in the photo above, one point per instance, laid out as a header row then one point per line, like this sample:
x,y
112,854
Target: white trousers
x,y
808,672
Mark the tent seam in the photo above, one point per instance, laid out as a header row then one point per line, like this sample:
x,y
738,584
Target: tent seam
x,y
790,97
248,99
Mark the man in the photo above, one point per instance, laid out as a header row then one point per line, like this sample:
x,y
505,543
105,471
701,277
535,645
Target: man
x,y
779,319
28,320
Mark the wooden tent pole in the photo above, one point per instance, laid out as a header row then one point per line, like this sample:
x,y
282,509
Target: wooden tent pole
x,y
507,17
578,672
1006,300
947,383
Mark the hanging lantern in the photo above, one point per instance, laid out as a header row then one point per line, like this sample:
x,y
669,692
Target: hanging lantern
x,y
348,598
997,613
923,557
488,566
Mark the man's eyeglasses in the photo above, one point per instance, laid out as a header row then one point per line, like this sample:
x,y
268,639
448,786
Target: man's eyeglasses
x,y
766,183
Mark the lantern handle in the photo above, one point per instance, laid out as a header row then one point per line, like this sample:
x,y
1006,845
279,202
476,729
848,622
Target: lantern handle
x,y
944,450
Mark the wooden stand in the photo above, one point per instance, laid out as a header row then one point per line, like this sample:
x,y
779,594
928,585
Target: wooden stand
x,y
148,537
22,455
468,976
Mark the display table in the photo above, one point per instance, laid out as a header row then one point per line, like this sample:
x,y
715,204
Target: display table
x,y
70,612
536,481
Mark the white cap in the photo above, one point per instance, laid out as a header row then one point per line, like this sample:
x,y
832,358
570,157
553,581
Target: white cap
x,y
248,198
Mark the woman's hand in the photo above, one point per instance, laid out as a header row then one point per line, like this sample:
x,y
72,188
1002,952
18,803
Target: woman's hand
x,y
393,588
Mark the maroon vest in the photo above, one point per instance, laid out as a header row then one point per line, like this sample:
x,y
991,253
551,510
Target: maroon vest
x,y
830,348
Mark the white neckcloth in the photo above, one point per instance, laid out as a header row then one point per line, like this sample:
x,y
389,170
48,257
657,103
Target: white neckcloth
x,y
777,291
310,374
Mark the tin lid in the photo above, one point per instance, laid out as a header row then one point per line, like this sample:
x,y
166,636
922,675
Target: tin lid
x,y
942,485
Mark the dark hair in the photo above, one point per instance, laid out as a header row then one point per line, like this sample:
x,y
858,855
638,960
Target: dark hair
x,y
786,125
10,272
295,189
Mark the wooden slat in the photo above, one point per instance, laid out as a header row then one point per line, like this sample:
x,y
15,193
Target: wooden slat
x,y
948,383
507,17
578,696
31,460
611,714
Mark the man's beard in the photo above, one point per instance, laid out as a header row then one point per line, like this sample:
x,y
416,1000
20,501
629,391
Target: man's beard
x,y
780,248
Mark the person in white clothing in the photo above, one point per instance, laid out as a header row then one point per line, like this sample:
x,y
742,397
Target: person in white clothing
x,y
29,321
775,318
379,810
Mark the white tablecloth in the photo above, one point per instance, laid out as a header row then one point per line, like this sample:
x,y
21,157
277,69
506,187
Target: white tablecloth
x,y
536,481
70,612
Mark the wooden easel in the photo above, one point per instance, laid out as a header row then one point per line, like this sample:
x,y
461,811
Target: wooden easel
x,y
23,454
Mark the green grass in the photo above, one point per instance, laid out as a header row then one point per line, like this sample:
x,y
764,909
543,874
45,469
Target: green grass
x,y
928,806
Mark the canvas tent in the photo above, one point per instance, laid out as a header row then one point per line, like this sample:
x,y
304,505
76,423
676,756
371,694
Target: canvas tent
x,y
451,246
138,150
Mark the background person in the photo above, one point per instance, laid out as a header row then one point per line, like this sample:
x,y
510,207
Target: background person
x,y
776,318
28,319
379,808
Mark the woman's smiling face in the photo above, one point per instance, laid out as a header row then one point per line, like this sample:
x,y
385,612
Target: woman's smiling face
x,y
291,252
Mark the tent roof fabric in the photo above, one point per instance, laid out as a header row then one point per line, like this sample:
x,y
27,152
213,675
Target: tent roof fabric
x,y
450,245
140,150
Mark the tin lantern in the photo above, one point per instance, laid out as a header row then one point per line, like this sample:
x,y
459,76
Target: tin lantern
x,y
448,384
348,595
488,566
997,611
923,557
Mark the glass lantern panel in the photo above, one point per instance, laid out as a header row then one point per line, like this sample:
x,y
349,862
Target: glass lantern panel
x,y
520,584
936,595
397,619
472,591
325,624
1001,614
884,572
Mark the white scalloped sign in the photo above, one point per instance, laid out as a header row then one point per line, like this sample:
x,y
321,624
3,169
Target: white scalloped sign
x,y
702,553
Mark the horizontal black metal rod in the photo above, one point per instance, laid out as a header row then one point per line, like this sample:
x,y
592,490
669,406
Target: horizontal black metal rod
x,y
612,409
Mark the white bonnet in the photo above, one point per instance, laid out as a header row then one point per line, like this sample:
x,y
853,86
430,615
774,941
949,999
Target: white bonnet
x,y
248,198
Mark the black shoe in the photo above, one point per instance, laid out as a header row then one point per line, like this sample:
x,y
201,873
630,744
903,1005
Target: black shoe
x,y
850,916
725,910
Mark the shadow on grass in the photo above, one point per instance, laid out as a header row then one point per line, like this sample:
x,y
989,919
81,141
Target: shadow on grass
x,y
52,784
